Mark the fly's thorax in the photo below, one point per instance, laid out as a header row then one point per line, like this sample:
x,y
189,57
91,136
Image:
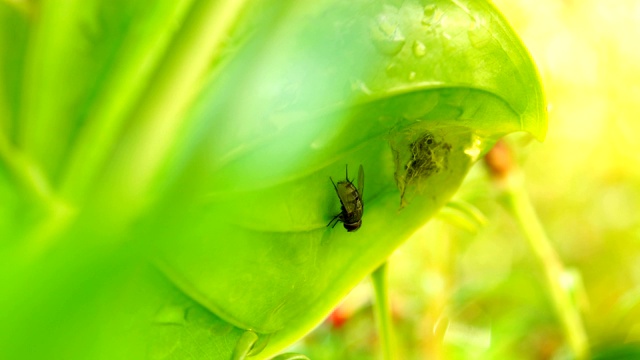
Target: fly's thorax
x,y
348,187
349,195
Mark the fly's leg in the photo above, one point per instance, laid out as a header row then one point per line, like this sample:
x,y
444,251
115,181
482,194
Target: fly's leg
x,y
334,184
336,219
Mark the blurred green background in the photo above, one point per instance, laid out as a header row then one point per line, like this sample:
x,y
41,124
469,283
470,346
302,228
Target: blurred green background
x,y
459,290
465,293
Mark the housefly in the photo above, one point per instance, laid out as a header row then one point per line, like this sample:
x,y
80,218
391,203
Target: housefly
x,y
351,201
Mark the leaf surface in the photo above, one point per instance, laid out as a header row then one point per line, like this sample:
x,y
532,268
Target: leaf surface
x,y
230,198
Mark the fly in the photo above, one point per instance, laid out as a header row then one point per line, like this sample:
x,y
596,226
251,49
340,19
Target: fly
x,y
351,201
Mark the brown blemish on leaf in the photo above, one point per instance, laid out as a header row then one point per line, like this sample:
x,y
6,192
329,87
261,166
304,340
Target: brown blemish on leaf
x,y
426,156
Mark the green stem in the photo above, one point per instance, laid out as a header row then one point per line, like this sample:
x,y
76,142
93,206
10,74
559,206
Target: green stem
x,y
519,205
110,114
160,114
32,181
382,311
25,172
150,105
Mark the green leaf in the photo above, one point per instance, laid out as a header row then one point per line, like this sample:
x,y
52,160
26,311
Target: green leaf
x,y
201,136
335,85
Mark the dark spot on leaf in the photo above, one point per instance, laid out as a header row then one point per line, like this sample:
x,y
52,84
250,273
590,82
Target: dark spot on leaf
x,y
421,157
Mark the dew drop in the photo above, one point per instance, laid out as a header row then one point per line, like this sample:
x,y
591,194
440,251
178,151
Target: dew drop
x,y
360,85
429,11
419,49
431,15
412,76
387,36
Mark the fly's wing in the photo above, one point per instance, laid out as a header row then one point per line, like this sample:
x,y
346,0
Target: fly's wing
x,y
347,194
361,184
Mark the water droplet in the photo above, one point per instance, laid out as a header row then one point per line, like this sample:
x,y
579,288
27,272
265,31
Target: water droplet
x,y
419,49
360,85
412,75
387,36
429,10
431,15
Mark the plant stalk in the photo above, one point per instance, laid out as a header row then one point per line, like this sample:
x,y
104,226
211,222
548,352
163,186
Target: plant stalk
x,y
382,311
518,203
